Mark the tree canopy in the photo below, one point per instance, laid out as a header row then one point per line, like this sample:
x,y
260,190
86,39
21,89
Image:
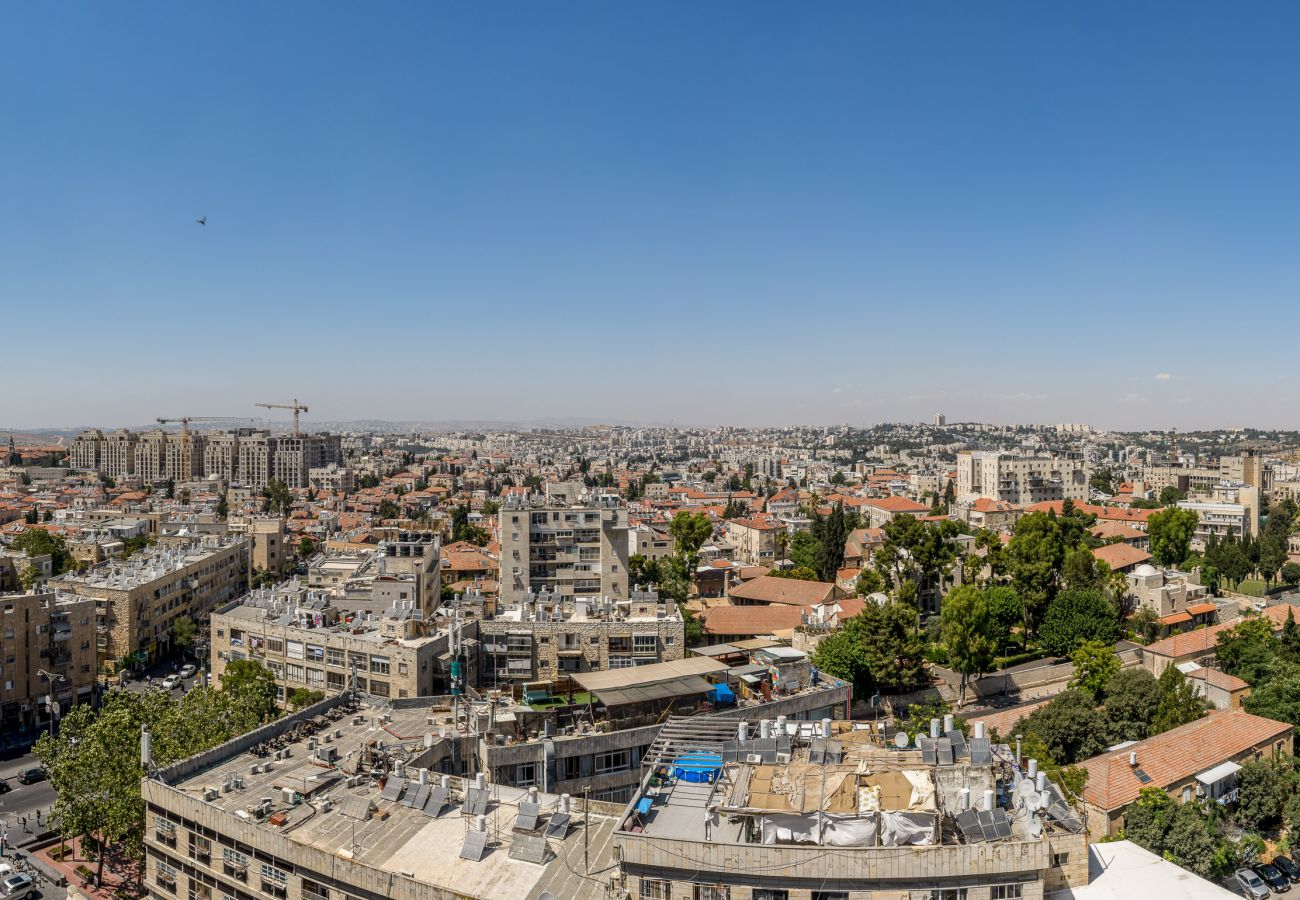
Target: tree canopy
x,y
1170,531
969,633
1078,615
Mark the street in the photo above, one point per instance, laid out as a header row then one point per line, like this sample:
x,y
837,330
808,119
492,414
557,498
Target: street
x,y
26,799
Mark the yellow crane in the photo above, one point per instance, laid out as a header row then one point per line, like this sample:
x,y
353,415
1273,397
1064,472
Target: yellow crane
x,y
187,463
295,406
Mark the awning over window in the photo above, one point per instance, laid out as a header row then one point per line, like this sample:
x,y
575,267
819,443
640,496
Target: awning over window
x,y
1218,773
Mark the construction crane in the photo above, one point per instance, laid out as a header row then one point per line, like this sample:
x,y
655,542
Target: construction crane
x,y
295,406
187,464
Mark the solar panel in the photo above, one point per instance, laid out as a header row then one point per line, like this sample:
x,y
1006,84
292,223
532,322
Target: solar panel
x,y
559,826
529,848
956,738
834,752
969,824
393,789
1142,776
416,798
1001,825
527,818
981,753
437,800
929,756
475,844
943,748
476,802
987,825
817,751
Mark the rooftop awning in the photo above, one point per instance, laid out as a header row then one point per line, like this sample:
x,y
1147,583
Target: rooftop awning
x,y
1175,619
1201,609
643,675
660,690
1218,773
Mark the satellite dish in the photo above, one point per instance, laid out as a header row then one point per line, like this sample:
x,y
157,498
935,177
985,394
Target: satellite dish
x,y
901,741
1034,802
1035,827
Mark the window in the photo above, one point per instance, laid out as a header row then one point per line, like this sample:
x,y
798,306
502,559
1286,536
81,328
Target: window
x,y
166,876
274,881
525,774
358,660
293,672
379,665
200,848
294,649
613,761
199,891
164,831
1006,892
830,895
1060,859
713,892
315,677
379,688
275,645
333,657
335,681
311,890
234,863
570,767
402,668
315,652
653,889
771,894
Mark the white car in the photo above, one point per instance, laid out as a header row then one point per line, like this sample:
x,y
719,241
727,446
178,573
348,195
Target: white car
x,y
17,887
171,682
188,670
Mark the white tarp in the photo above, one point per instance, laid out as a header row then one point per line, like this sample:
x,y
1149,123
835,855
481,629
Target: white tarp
x,y
825,829
898,829
922,788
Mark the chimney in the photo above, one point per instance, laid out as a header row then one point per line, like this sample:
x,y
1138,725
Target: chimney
x,y
1133,758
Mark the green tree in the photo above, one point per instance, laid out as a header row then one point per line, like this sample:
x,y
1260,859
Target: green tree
x,y
1035,558
830,556
1078,615
223,506
1070,727
885,648
869,582
302,697
388,509
306,547
1291,574
799,573
969,634
805,550
1248,649
1178,703
643,571
1277,697
1132,699
1188,840
183,633
253,685
1147,819
28,577
1084,571
1095,665
1264,785
1005,609
840,655
1171,495
39,542
690,531
1145,624
1101,481
278,498
1170,531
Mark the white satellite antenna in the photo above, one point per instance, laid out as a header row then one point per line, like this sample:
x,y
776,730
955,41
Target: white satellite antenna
x,y
1035,827
901,741
1034,802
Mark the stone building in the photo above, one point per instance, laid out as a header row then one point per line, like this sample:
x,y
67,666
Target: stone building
x,y
308,643
567,550
1019,479
547,636
140,598
50,631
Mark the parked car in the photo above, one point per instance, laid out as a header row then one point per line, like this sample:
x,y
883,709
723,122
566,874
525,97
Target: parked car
x,y
188,670
1288,867
1251,884
171,682
31,776
17,887
1273,877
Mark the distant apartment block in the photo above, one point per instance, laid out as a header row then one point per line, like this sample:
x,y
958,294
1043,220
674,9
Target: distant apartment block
x,y
1021,480
566,550
248,456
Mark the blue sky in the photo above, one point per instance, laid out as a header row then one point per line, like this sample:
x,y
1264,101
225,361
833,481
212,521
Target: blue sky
x,y
725,212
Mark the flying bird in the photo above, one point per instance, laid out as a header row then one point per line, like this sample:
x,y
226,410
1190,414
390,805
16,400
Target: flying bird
x,y
202,220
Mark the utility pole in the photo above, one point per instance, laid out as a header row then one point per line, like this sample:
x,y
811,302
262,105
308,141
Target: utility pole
x,y
586,828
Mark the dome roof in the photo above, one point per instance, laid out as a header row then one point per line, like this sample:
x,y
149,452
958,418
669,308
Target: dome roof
x,y
878,598
1145,570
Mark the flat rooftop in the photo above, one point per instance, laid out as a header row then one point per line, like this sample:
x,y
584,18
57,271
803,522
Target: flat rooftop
x,y
359,807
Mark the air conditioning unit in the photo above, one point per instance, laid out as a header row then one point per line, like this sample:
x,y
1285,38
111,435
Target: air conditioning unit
x,y
783,758
754,758
211,794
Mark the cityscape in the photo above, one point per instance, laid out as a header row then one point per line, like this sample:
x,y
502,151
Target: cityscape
x,y
575,451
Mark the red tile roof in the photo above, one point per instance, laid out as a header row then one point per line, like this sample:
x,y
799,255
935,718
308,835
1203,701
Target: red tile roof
x,y
1203,640
751,620
1177,755
788,591
1120,556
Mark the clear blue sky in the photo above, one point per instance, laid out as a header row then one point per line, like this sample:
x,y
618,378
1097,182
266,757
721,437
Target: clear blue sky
x,y
703,212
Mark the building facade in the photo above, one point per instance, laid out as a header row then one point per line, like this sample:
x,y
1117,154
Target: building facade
x,y
1020,480
566,550
45,631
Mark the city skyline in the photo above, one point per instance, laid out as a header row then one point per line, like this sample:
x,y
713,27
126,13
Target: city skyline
x,y
736,215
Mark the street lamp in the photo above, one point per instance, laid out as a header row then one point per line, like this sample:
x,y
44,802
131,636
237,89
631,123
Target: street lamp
x,y
50,699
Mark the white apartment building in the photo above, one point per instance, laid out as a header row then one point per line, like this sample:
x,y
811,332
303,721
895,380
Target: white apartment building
x,y
1022,480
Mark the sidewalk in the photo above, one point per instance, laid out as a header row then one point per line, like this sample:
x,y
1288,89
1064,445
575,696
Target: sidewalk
x,y
120,874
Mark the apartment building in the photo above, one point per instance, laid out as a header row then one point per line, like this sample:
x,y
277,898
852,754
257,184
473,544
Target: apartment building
x,y
309,643
249,456
138,599
332,479
567,550
269,547
404,567
807,811
45,631
1231,511
342,815
753,541
549,636
1020,480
